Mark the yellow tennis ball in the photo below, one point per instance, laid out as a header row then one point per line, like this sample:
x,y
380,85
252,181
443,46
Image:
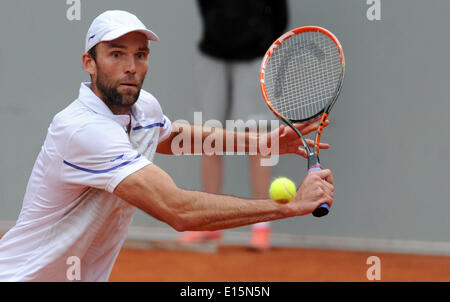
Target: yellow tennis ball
x,y
282,190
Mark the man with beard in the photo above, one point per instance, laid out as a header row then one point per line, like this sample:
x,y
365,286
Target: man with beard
x,y
95,167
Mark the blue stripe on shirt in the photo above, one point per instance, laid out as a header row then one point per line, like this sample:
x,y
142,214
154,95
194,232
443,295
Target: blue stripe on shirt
x,y
101,171
151,125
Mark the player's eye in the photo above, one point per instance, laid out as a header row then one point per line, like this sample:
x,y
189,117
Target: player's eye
x,y
141,55
116,54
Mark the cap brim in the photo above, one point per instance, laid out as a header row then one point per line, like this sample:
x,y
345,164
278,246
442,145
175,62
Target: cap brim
x,y
112,35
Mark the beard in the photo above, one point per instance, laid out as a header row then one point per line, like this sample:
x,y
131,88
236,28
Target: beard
x,y
110,91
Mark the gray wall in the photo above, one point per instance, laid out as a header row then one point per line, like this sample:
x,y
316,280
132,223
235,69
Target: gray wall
x,y
389,133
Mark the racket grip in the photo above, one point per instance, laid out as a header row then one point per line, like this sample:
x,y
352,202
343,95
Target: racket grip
x,y
323,209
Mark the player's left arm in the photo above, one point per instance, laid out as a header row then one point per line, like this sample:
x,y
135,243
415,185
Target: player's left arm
x,y
195,139
192,139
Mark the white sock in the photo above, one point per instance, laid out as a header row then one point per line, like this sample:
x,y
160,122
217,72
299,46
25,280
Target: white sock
x,y
261,225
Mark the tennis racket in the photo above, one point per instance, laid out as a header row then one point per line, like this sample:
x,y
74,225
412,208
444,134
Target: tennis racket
x,y
301,78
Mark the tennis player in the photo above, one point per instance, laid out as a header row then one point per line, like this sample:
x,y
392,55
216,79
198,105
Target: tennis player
x,y
95,167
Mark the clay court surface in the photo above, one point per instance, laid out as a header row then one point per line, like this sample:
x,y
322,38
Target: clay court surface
x,y
239,264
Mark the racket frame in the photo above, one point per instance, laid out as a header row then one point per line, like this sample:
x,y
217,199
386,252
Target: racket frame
x,y
313,154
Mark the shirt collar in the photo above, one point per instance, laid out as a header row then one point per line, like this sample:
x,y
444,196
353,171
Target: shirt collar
x,y
93,102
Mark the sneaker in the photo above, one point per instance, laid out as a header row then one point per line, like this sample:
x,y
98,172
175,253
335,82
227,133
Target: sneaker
x,y
200,237
260,239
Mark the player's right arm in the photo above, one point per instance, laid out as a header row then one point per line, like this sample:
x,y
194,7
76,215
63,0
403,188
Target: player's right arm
x,y
98,154
153,191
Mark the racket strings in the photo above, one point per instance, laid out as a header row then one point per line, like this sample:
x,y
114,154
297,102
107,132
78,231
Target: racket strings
x,y
310,86
302,75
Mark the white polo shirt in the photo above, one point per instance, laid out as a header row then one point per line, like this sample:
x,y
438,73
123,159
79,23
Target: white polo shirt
x,y
69,209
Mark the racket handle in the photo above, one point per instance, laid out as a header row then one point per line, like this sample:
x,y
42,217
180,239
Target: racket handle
x,y
323,209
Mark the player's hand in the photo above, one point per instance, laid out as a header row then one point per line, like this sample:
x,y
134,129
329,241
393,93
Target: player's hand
x,y
316,188
289,142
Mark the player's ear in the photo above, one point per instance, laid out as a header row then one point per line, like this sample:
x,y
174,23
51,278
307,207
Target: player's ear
x,y
89,64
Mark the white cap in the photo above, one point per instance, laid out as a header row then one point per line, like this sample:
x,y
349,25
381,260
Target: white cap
x,y
113,24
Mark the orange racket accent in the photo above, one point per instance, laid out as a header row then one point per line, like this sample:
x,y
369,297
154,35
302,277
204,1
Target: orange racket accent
x,y
319,132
